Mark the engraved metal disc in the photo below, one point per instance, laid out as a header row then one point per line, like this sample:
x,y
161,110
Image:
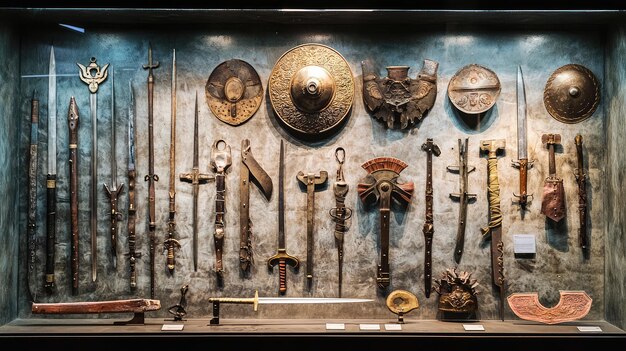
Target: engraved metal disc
x,y
311,89
572,94
234,91
474,89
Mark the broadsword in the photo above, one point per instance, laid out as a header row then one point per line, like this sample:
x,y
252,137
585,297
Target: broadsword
x,y
195,178
31,229
133,255
256,301
52,174
522,163
151,177
93,76
113,192
171,244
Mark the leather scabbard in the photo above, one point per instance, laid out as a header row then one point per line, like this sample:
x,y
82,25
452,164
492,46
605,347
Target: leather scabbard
x,y
218,236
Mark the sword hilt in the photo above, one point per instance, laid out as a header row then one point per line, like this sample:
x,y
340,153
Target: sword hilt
x,y
282,259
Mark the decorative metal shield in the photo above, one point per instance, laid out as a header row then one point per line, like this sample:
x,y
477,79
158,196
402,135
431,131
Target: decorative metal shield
x,y
311,89
474,89
572,94
234,91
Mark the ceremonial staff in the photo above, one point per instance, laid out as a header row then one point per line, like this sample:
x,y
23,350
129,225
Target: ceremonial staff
x,y
170,244
31,229
113,192
133,255
93,75
72,119
51,178
151,177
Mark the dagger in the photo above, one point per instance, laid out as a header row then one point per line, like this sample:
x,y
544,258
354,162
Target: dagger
x,y
52,173
522,163
93,75
256,301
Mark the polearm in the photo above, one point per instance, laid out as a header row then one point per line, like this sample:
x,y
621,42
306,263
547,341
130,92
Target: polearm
x,y
31,229
171,244
113,192
151,177
72,121
133,255
93,75
51,178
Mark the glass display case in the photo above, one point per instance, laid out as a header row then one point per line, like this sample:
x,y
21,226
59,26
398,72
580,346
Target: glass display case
x,y
386,147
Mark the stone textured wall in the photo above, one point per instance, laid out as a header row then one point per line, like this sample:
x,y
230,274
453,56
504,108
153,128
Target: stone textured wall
x,y
615,288
9,120
559,263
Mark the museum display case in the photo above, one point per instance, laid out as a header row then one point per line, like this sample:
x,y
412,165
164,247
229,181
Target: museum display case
x,y
362,176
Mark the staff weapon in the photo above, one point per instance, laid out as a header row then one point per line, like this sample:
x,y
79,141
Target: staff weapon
x,y
51,178
72,119
340,213
31,229
132,254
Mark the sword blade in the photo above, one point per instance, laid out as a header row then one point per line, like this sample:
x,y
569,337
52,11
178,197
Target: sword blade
x,y
307,300
113,144
521,116
281,199
93,103
52,114
131,129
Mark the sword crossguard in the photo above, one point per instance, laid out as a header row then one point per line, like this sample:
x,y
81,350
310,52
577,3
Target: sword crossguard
x,y
282,259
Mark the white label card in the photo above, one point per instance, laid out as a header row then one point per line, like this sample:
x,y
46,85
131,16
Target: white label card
x,y
393,326
588,329
335,326
524,244
473,327
369,326
172,327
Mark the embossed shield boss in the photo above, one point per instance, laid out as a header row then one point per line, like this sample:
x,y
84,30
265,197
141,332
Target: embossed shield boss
x,y
474,89
234,91
311,89
572,94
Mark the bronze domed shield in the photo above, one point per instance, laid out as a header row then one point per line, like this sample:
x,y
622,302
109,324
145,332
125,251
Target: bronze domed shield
x,y
311,89
572,94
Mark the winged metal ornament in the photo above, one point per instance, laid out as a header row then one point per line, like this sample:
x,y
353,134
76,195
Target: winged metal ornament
x,y
93,75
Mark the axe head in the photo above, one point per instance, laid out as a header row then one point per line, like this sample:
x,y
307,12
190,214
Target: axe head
x,y
315,179
381,169
492,146
548,139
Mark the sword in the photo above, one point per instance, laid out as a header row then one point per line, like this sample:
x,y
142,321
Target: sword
x,y
52,174
463,196
256,301
132,254
93,75
581,179
195,178
73,119
151,177
31,229
340,213
522,163
170,244
282,258
431,149
113,192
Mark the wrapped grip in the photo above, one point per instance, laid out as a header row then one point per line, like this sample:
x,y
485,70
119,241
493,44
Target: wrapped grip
x,y
282,274
51,231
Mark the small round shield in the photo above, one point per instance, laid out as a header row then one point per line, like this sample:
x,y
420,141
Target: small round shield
x,y
572,94
234,91
311,89
474,89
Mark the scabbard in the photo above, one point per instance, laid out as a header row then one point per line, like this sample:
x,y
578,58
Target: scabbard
x,y
460,233
73,163
51,219
31,229
245,240
132,239
218,236
119,306
310,212
581,179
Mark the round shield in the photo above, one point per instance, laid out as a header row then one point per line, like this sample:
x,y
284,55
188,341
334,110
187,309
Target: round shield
x,y
234,91
572,94
311,89
474,89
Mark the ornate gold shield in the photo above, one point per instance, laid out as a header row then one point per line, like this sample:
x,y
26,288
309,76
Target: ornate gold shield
x,y
311,89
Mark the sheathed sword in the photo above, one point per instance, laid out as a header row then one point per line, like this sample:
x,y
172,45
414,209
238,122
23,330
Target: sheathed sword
x,y
72,121
340,213
51,178
93,75
113,192
522,163
31,229
132,254
195,178
581,179
171,244
249,167
151,178
463,196
220,161
431,149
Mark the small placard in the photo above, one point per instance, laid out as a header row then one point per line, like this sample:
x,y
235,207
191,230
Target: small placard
x,y
590,329
394,327
369,326
335,326
473,327
172,327
524,244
